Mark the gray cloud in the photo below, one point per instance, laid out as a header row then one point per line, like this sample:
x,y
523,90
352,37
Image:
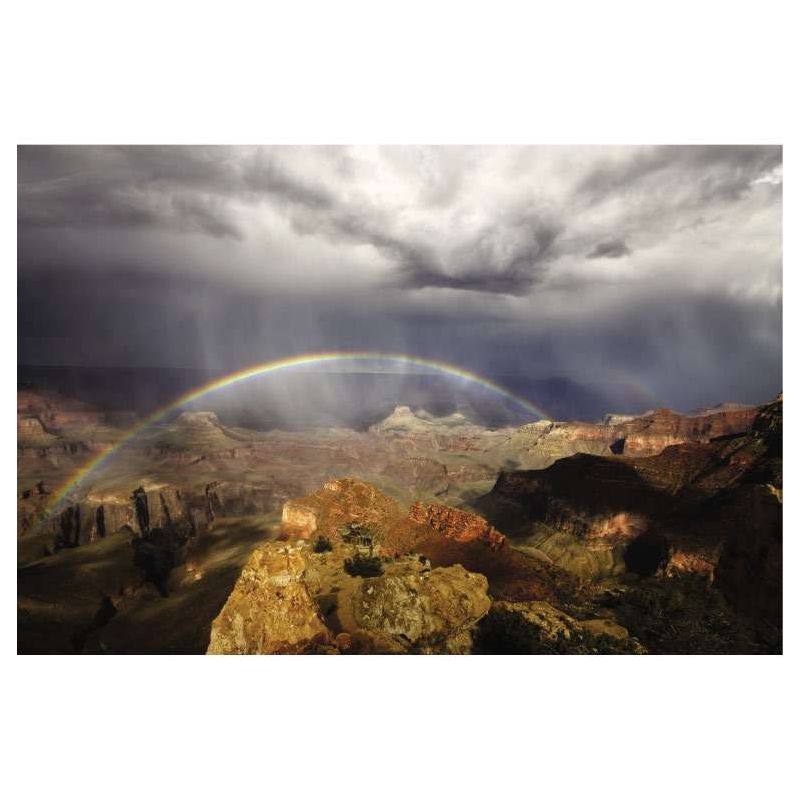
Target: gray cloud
x,y
137,187
610,248
322,194
723,171
539,260
509,262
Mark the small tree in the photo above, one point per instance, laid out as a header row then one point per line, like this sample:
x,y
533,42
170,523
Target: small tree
x,y
363,566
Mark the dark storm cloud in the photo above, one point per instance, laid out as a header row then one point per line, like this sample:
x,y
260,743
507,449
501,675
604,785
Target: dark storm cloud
x,y
192,190
478,267
611,248
688,351
659,266
137,187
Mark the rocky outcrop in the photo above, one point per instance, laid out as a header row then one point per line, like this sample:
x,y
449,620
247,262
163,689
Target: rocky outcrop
x,y
169,508
299,519
290,599
338,503
427,611
55,412
408,430
589,497
538,628
271,609
445,536
675,512
404,420
31,432
681,563
187,512
460,526
86,522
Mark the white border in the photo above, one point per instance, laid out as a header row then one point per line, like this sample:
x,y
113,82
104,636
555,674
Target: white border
x,y
501,72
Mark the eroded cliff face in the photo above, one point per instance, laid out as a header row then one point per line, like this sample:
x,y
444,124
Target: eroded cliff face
x,y
84,523
650,434
542,443
712,509
460,526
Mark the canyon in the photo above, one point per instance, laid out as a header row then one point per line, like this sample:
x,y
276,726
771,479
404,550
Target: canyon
x,y
419,534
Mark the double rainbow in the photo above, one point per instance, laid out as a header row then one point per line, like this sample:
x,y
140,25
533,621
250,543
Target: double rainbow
x,y
74,481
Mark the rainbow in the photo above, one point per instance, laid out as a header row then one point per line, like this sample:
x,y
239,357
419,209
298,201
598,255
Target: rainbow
x,y
78,477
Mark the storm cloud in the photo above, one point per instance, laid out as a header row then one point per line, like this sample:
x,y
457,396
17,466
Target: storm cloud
x,y
611,248
517,259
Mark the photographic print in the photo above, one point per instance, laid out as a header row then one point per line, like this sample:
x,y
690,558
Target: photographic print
x,y
399,399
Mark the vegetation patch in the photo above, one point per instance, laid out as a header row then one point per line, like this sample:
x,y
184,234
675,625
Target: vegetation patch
x,y
323,545
363,566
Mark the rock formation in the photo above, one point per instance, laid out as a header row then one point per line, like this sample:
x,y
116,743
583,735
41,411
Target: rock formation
x,y
646,525
684,510
540,444
444,535
271,609
289,599
460,526
538,628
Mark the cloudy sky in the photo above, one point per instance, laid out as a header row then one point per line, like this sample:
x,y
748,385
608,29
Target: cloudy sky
x,y
657,266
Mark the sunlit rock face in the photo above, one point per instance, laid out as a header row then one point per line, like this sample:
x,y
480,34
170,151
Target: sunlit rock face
x,y
337,503
457,525
298,519
379,578
271,609
444,535
540,444
650,434
434,611
30,426
289,599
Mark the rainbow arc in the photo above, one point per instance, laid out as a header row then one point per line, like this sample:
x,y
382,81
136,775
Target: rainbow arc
x,y
265,368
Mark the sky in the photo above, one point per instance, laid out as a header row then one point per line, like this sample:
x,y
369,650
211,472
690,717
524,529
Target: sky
x,y
653,266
